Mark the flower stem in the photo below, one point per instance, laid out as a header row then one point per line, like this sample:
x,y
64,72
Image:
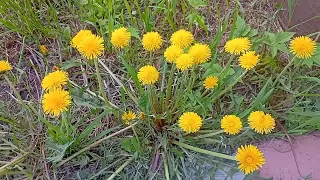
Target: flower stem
x,y
210,134
203,151
103,93
284,70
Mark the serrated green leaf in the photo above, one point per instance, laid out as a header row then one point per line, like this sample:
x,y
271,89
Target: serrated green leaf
x,y
126,144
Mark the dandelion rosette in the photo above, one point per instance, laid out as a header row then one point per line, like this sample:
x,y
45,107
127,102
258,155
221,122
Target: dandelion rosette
x,y
55,80
261,123
55,102
91,47
231,124
238,45
128,116
152,41
184,62
172,53
249,158
120,37
148,75
201,53
190,122
249,60
5,66
303,47
210,82
182,38
79,37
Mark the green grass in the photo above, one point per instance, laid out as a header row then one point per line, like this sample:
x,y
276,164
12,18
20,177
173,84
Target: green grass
x,y
90,141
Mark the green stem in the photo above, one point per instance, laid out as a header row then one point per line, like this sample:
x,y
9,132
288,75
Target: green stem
x,y
210,134
121,168
229,87
203,151
103,93
283,71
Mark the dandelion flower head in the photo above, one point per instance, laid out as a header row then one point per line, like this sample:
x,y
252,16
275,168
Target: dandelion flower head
x,y
303,47
231,124
249,60
43,49
56,101
184,62
249,158
200,52
91,47
261,122
182,38
128,116
148,75
238,45
172,53
79,37
5,66
152,41
210,82
120,37
55,80
190,122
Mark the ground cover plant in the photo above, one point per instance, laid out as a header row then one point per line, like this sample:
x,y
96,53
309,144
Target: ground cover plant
x,y
148,89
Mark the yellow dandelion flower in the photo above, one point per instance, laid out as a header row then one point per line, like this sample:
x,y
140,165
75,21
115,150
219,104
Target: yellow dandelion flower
x,y
231,124
128,116
249,60
55,80
184,62
172,53
152,41
148,75
200,52
78,38
210,82
142,116
43,49
120,37
56,101
91,47
190,122
5,66
261,123
238,45
249,158
182,38
303,47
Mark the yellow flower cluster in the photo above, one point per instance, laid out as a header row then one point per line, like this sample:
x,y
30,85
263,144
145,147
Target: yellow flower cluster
x,y
5,66
55,100
89,45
